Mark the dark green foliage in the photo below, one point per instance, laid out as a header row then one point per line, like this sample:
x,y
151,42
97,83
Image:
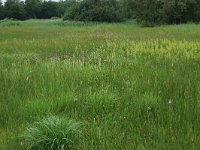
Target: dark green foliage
x,y
33,8
49,9
193,10
1,11
62,6
129,7
154,12
147,12
95,10
174,11
15,9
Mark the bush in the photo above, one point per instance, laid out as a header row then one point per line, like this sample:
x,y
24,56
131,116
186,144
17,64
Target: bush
x,y
52,133
99,11
156,12
15,10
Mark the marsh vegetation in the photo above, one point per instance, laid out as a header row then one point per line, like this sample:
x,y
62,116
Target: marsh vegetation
x,y
124,87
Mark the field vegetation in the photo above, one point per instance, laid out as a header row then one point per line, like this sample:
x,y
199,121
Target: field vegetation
x,y
146,12
98,86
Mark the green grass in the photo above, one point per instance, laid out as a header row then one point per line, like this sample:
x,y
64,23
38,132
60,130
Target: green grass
x,y
52,133
131,87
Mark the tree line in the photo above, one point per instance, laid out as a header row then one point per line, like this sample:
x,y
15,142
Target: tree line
x,y
147,12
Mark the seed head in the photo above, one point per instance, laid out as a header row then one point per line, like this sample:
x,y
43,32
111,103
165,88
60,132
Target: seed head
x,y
170,102
75,99
149,109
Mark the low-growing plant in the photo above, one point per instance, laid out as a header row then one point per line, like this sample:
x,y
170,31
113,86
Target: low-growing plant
x,y
148,103
101,102
52,133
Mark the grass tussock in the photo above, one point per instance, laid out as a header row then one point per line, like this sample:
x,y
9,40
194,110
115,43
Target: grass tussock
x,y
52,133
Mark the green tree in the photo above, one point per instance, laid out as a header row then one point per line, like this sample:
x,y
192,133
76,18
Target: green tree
x,y
174,11
129,7
193,11
15,9
155,12
1,11
148,12
49,9
96,10
33,8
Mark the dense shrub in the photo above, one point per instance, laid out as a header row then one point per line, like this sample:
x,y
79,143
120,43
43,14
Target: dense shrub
x,y
99,11
154,12
33,8
49,9
14,9
147,12
129,8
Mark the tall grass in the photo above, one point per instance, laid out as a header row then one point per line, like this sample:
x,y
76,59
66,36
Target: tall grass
x,y
135,88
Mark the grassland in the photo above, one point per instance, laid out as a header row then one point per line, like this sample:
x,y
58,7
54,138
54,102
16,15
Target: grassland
x,y
131,87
